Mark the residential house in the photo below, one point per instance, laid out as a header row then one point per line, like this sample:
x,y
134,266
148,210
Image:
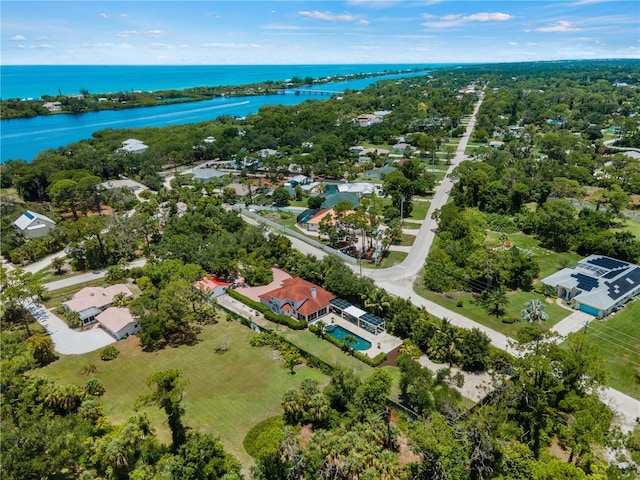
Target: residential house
x,y
34,225
335,198
299,180
91,301
118,322
496,144
597,285
212,286
378,173
133,146
205,174
53,106
299,299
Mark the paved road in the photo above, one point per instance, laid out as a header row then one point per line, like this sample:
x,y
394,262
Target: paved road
x,y
87,277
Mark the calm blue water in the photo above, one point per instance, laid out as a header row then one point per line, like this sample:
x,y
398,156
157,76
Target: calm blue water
x,y
24,138
336,331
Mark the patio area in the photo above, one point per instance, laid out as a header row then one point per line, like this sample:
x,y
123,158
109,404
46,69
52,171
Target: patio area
x,y
380,343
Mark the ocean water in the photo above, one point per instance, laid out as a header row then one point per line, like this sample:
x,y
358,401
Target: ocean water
x,y
24,138
33,81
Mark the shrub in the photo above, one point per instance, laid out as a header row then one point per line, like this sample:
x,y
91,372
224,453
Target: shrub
x,y
94,387
460,303
264,438
88,369
109,353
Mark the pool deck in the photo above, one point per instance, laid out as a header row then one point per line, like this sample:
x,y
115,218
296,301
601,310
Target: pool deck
x,y
381,343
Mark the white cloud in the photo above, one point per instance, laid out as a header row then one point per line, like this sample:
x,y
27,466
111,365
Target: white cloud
x,y
124,15
148,33
104,15
18,38
155,33
42,45
559,26
512,44
456,20
328,16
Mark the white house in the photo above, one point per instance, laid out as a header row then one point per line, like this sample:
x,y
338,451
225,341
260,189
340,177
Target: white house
x,y
118,322
34,225
212,286
133,146
597,285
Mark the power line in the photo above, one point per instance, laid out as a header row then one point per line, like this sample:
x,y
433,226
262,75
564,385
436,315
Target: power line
x,y
616,344
602,325
608,335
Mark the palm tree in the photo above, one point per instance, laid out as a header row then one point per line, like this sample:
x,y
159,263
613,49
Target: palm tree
x,y
534,311
57,264
376,300
451,339
350,342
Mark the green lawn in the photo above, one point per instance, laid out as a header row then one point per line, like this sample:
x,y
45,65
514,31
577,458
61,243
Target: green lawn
x,y
419,211
326,351
470,308
632,226
406,240
619,340
226,394
549,261
411,225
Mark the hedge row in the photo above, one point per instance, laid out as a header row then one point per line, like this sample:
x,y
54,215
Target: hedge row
x,y
268,314
373,362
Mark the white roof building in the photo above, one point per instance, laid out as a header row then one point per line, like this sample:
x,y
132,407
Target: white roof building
x,y
133,146
597,284
118,322
34,225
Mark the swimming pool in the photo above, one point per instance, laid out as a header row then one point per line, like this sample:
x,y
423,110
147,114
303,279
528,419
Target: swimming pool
x,y
336,331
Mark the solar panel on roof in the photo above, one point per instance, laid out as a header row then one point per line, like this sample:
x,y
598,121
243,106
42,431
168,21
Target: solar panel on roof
x,y
623,285
585,282
339,303
372,319
606,262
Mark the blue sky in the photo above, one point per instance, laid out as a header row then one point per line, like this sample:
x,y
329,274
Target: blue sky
x,y
315,32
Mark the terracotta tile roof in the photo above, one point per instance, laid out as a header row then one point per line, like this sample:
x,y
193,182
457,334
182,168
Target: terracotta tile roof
x,y
298,290
211,283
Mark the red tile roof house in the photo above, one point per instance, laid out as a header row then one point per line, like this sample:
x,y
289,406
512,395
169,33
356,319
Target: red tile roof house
x,y
299,299
90,301
118,322
212,286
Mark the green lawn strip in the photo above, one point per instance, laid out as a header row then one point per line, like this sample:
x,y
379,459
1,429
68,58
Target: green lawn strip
x,y
390,259
476,312
632,226
549,261
226,394
618,337
411,225
326,351
406,240
419,211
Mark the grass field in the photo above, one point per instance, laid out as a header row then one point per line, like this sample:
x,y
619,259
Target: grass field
x,y
419,210
226,394
549,261
470,308
406,240
619,340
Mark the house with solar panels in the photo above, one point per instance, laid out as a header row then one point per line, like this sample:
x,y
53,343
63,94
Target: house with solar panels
x,y
34,225
597,285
